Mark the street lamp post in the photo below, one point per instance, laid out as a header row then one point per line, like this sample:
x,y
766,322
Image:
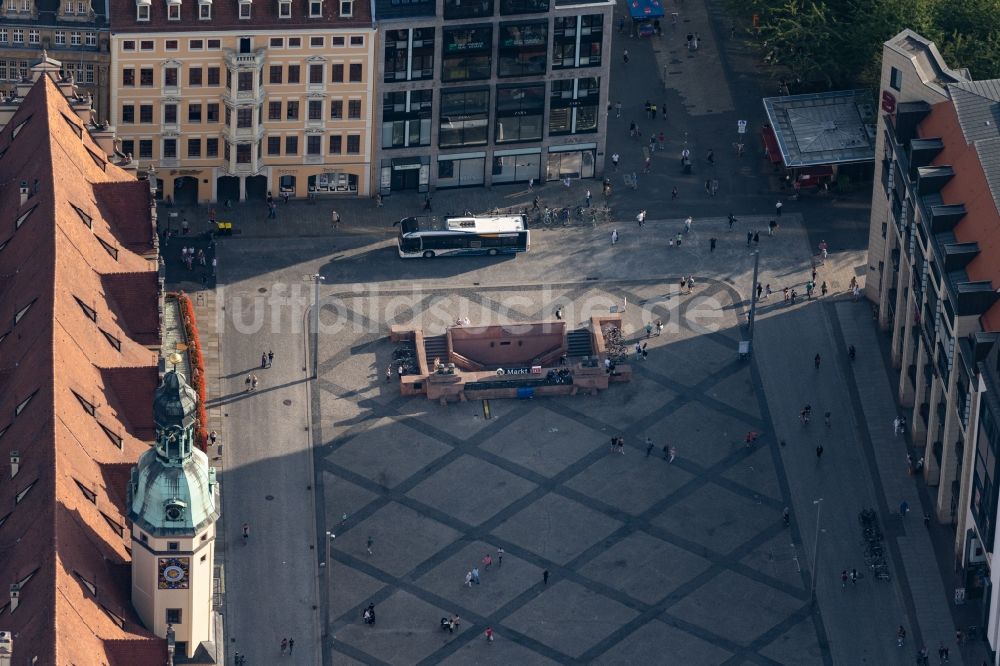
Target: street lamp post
x,y
317,278
753,295
812,591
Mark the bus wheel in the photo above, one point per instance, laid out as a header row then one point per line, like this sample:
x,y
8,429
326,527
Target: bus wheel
x,y
428,254
492,253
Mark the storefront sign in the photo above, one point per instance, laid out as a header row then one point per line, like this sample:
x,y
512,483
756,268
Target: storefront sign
x,y
513,372
888,101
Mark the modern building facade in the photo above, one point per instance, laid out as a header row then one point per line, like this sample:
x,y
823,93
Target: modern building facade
x,y
75,32
173,504
491,91
934,272
237,99
79,341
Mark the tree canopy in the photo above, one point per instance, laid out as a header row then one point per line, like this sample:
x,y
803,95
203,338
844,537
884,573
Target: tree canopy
x,y
838,43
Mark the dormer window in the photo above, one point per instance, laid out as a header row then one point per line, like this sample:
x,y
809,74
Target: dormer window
x,y
315,8
174,510
173,10
142,10
204,10
285,9
347,8
245,9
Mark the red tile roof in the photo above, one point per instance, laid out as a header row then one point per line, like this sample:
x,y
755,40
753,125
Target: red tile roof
x,y
225,16
63,346
129,294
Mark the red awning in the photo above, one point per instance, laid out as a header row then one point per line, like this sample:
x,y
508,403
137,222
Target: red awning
x,y
817,172
771,145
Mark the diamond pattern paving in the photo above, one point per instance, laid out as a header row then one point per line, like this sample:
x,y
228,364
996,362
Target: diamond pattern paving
x,y
643,556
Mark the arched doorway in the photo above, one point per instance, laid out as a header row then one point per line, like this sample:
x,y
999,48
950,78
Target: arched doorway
x,y
227,189
186,191
256,188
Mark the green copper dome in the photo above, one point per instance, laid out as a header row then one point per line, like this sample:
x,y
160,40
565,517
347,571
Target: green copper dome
x,y
173,490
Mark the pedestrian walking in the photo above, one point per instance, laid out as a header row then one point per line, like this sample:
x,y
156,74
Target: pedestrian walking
x,y
614,160
253,382
777,209
826,419
427,203
756,238
666,452
652,112
687,224
771,226
854,576
819,451
900,636
760,290
749,238
641,217
732,221
284,645
662,140
659,327
816,360
904,508
715,186
263,360
843,579
708,186
673,193
625,56
475,575
671,454
786,516
388,374
185,227
823,288
212,437
489,634
487,562
823,249
649,446
614,236
468,578
710,158
588,198
368,545
291,641
215,262
246,532
711,244
545,577
499,557
618,109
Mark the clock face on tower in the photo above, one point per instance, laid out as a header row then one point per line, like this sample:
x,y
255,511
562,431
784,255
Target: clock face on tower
x,y
174,572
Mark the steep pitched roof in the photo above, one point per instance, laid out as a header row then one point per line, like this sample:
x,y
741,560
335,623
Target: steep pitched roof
x,y
62,349
977,104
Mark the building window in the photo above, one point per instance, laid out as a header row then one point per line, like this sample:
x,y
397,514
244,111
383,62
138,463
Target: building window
x,y
315,9
128,146
353,144
146,45
19,37
194,76
523,6
291,145
146,149
142,13
520,113
337,40
565,53
464,118
337,73
285,9
315,109
274,74
91,38
244,117
194,147
274,110
354,109
127,45
522,48
274,145
146,113
337,109
61,39
146,77
170,77
128,113
194,113
33,37
346,8
357,40
459,9
467,53
336,141
170,45
213,44
204,11
406,118
173,12
173,616
316,42
212,113
293,71
243,153
354,72
895,79
213,76
196,44
244,14
315,74
294,42
128,77
170,114
170,148
406,59
211,147
292,110
574,105
314,144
